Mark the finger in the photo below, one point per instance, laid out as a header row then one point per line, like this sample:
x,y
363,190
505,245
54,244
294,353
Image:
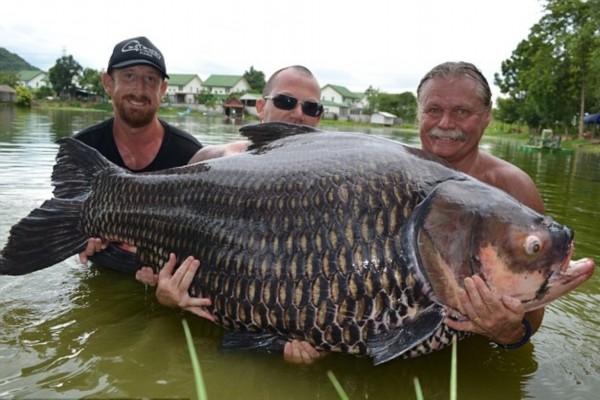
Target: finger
x,y
458,325
477,303
513,304
291,352
168,267
466,307
189,272
180,273
308,351
95,245
288,352
147,276
489,301
201,312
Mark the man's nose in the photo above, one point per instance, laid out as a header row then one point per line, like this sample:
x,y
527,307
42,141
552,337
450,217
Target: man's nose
x,y
297,111
446,120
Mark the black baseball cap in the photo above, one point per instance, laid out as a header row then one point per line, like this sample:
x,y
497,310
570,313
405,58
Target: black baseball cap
x,y
136,51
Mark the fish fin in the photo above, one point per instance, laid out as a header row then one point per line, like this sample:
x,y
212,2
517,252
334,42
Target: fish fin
x,y
253,341
117,259
396,342
48,235
263,133
76,166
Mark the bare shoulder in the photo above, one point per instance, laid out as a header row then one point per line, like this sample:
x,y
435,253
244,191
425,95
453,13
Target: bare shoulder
x,y
513,180
219,150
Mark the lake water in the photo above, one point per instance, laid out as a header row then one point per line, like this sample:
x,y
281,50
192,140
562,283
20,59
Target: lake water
x,y
72,331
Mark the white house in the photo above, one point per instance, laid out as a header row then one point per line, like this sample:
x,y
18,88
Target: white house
x,y
32,79
226,84
383,118
183,88
341,103
249,102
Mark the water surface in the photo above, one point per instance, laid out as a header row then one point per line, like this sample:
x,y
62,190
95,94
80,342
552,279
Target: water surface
x,y
73,331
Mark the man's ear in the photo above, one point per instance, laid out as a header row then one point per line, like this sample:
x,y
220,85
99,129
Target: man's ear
x,y
260,106
108,83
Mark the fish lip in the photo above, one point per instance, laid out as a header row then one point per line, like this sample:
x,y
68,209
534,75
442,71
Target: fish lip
x,y
573,270
557,276
564,267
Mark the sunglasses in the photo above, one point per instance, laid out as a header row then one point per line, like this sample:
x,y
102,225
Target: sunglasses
x,y
285,102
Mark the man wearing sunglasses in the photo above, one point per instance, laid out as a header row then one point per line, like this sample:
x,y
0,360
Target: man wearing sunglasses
x,y
290,95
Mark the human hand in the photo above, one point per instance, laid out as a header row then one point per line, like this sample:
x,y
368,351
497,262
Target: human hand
x,y
147,276
499,319
94,245
298,352
172,290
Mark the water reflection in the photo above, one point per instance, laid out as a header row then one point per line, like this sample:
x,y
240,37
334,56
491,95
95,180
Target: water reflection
x,y
71,331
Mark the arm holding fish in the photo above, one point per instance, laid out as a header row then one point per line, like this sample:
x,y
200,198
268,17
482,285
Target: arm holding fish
x,y
500,319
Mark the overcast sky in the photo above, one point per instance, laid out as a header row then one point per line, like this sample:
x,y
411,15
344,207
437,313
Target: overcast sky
x,y
387,44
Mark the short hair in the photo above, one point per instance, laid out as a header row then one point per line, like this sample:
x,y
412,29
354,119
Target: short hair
x,y
452,69
271,82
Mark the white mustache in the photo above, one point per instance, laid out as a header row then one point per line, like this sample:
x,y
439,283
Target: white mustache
x,y
454,134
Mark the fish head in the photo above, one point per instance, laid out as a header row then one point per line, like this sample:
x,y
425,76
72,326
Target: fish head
x,y
466,228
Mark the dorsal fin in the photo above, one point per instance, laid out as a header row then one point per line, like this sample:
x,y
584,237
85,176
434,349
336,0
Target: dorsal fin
x,y
263,133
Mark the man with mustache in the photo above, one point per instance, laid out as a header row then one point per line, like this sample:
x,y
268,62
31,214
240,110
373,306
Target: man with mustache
x,y
454,109
135,138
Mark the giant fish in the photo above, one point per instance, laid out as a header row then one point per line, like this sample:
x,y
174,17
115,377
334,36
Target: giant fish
x,y
354,243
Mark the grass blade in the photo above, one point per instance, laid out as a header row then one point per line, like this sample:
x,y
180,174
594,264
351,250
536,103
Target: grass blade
x,y
200,387
418,390
336,384
454,370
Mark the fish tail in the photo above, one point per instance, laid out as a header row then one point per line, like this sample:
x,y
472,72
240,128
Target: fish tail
x,y
54,232
45,237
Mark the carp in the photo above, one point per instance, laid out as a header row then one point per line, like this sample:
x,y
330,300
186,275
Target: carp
x,y
352,242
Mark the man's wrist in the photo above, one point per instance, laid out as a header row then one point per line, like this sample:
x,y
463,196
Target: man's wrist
x,y
524,338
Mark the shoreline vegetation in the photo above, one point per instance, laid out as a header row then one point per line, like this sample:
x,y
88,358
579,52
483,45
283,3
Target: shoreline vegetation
x,y
496,129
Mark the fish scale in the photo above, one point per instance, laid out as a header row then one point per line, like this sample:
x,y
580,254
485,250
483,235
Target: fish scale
x,y
345,240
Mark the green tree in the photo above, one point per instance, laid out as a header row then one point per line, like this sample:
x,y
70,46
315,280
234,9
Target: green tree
x,y
91,81
256,79
372,100
44,92
403,105
206,98
551,75
8,78
64,75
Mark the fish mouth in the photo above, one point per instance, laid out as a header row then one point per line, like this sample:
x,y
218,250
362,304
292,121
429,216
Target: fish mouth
x,y
573,270
570,275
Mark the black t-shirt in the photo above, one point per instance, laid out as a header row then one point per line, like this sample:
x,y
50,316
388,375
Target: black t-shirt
x,y
176,150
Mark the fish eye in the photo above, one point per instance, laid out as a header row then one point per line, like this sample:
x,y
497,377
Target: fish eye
x,y
532,245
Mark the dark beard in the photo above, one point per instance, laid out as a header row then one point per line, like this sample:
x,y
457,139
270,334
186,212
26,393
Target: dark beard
x,y
135,118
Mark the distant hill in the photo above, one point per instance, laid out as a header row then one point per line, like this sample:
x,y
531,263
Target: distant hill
x,y
13,63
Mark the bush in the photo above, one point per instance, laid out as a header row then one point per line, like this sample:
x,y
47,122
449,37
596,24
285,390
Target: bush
x,y
24,97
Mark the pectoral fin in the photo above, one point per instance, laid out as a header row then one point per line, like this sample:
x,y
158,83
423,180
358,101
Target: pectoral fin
x,y
396,342
253,341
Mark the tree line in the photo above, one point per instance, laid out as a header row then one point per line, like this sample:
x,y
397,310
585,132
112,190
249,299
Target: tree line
x,y
552,79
